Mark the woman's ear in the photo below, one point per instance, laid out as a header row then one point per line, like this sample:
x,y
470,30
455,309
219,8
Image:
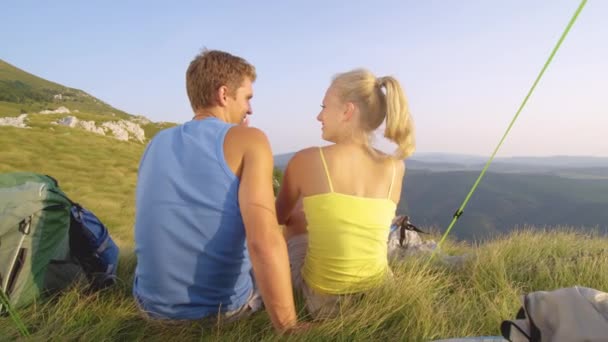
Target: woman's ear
x,y
349,111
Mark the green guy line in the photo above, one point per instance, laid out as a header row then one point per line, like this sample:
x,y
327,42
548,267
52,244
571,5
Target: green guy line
x,y
540,75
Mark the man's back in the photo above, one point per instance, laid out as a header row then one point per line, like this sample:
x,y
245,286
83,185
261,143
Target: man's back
x,y
189,233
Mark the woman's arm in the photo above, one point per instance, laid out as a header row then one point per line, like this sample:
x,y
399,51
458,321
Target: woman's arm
x,y
290,192
398,183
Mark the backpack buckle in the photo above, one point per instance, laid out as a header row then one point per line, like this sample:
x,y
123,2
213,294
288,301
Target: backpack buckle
x,y
25,225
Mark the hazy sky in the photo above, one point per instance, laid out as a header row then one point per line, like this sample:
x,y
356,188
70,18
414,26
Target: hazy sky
x,y
466,65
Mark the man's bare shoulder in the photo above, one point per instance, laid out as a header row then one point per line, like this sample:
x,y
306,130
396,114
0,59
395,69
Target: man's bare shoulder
x,y
241,131
247,137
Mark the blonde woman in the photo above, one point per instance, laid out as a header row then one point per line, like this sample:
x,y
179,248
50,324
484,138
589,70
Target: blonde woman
x,y
337,202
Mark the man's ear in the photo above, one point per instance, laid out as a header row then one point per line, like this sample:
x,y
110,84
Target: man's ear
x,y
221,95
349,111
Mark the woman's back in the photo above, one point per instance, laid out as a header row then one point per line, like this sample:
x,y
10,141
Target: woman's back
x,y
348,207
353,170
338,202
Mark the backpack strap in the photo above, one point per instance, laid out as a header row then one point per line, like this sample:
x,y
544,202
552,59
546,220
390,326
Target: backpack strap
x,y
104,245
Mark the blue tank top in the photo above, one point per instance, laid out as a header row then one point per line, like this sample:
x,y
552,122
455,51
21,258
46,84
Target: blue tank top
x,y
192,259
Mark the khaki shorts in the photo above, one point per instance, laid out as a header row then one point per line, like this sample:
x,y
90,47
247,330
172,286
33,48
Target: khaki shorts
x,y
320,306
254,303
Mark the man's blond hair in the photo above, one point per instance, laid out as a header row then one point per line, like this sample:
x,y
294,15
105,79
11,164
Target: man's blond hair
x,y
212,69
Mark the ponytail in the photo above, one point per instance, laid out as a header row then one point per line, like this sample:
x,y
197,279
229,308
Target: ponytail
x,y
399,125
376,106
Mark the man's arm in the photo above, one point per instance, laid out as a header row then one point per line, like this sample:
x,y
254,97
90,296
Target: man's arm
x,y
267,247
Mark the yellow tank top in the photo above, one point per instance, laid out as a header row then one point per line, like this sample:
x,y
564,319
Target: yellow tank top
x,y
347,240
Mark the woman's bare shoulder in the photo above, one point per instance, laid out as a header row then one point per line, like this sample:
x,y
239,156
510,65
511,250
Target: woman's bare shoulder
x,y
304,156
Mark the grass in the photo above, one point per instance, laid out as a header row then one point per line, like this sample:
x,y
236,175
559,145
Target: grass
x,y
425,301
97,171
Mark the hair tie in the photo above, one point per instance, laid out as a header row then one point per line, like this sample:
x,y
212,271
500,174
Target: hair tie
x,y
380,81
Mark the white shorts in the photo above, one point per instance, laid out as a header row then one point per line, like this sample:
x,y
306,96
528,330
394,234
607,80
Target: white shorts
x,y
320,306
254,303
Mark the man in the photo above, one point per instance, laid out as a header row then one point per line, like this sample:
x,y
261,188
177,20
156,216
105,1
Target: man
x,y
205,208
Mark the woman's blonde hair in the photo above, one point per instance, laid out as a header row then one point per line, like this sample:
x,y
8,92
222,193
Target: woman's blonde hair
x,y
375,106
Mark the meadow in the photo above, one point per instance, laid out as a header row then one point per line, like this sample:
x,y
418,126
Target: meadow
x,y
426,300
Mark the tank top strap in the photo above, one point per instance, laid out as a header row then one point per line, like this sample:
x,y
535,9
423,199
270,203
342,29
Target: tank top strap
x,y
331,188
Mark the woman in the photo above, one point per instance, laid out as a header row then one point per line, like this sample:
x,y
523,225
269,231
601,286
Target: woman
x,y
337,202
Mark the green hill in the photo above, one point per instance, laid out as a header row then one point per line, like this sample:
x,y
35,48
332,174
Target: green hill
x,y
22,92
98,170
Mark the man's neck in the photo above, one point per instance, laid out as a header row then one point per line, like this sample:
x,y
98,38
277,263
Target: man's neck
x,y
210,113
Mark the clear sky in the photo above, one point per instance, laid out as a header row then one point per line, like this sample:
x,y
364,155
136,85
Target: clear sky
x,y
466,65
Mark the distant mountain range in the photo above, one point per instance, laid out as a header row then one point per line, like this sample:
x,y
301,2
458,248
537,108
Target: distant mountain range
x,y
564,166
517,191
551,191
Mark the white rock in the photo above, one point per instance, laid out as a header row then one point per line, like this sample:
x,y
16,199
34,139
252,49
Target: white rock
x,y
14,121
123,129
60,110
70,121
119,132
140,119
135,130
73,122
91,127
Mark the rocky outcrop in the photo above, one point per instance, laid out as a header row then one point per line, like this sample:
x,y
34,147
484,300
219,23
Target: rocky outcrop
x,y
124,130
140,119
121,130
70,121
73,122
60,110
18,121
91,127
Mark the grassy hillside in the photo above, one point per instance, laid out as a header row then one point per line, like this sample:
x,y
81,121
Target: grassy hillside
x,y
425,302
22,92
98,171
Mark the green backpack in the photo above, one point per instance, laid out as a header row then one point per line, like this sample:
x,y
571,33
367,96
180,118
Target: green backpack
x,y
34,238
